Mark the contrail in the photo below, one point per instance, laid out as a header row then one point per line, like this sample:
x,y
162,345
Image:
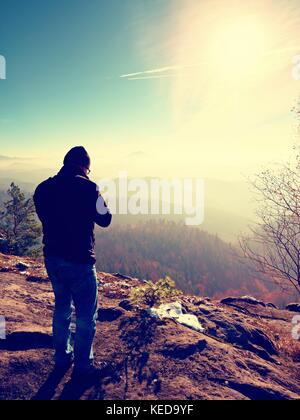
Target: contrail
x,y
162,76
154,73
158,70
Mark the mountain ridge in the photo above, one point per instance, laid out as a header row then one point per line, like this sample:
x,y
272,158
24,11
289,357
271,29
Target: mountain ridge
x,y
245,353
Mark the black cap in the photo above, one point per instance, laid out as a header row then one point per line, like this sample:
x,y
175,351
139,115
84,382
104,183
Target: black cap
x,y
78,156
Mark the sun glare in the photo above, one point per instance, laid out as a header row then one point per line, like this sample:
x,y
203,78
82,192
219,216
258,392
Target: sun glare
x,y
239,46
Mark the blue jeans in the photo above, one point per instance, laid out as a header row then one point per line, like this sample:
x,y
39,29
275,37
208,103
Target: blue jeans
x,y
77,283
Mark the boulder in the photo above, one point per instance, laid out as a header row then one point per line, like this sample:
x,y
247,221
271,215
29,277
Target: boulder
x,y
26,340
122,276
271,305
37,279
109,314
244,299
21,266
126,304
293,307
245,337
183,350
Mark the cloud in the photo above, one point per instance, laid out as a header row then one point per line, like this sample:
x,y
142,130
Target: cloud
x,y
14,159
5,158
137,154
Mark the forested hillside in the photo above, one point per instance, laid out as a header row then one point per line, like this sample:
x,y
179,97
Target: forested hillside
x,y
200,263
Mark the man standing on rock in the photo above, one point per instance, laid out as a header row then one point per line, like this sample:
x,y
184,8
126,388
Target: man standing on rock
x,y
67,207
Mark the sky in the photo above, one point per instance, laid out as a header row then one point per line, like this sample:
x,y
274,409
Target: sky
x,y
166,88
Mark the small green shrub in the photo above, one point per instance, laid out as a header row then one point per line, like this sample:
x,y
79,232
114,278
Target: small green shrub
x,y
152,294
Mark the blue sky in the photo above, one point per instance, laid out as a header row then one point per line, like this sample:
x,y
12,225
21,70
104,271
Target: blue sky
x,y
64,59
182,107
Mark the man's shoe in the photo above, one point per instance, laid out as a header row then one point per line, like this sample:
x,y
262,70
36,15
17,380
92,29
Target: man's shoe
x,y
89,373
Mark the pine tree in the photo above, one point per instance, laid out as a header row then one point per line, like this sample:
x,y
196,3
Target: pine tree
x,y
19,230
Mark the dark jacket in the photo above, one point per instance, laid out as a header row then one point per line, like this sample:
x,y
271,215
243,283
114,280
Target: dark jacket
x,y
66,206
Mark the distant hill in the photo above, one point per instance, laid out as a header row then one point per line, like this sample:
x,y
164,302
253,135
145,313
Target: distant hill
x,y
228,226
199,262
2,196
228,206
26,174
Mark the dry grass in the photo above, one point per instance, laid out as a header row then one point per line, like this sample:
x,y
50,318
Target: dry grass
x,y
285,343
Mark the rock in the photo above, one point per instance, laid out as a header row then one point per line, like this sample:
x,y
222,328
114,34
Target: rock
x,y
205,310
183,351
18,341
149,358
293,307
126,304
122,277
109,314
4,270
21,266
258,392
247,338
271,305
37,279
199,302
245,299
